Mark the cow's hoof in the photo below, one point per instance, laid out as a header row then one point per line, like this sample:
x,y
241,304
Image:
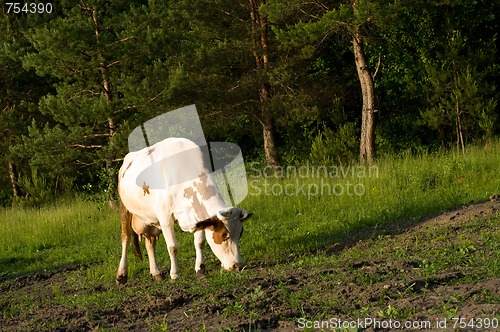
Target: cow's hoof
x,y
202,272
121,279
158,277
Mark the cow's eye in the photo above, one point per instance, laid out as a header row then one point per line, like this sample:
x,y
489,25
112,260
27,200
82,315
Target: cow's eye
x,y
225,236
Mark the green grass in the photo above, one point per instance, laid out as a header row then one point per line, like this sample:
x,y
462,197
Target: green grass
x,y
291,217
400,188
70,233
287,231
47,238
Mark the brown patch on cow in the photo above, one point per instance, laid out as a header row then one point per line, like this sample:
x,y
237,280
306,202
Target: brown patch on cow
x,y
199,209
220,231
206,191
145,187
150,151
127,168
221,234
212,221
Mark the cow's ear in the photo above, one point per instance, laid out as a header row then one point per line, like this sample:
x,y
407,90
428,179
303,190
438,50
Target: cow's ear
x,y
244,214
210,222
225,214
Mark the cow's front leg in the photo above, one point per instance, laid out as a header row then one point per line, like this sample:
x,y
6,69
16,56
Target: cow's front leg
x,y
199,244
153,267
167,227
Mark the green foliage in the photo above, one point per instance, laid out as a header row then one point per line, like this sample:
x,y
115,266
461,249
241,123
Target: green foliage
x,y
74,83
460,99
330,148
104,192
36,189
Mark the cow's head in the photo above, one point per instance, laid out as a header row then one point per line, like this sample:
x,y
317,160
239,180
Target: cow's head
x,y
223,233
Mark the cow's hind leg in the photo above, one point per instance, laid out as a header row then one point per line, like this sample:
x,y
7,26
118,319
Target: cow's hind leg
x,y
125,218
153,267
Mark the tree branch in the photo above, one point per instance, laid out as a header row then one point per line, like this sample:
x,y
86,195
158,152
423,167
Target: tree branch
x,y
97,135
320,4
378,66
113,63
144,104
86,146
120,41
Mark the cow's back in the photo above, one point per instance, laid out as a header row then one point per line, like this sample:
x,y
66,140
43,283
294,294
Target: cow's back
x,y
159,178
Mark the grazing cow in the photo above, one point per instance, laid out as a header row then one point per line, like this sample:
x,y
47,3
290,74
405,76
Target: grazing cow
x,y
170,182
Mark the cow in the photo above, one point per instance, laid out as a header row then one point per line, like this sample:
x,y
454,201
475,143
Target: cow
x,y
170,182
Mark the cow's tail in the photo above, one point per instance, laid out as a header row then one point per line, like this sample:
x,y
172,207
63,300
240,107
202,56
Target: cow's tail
x,y
127,231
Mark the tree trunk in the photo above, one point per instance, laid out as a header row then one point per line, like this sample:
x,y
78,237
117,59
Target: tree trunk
x,y
367,144
106,87
261,54
458,122
16,192
270,148
458,125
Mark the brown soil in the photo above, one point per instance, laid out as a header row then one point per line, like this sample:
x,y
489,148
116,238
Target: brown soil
x,y
267,302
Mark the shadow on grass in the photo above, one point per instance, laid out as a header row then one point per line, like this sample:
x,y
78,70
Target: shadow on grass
x,y
397,228
37,275
332,243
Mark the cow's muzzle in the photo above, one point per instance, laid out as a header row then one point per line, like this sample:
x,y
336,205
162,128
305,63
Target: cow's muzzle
x,y
235,266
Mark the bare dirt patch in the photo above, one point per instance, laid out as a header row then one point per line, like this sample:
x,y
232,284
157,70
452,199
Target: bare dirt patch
x,y
364,279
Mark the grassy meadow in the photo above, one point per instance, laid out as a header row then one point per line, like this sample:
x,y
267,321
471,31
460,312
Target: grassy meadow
x,y
321,210
296,217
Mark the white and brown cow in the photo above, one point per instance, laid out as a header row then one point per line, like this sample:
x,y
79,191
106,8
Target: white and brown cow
x,y
169,182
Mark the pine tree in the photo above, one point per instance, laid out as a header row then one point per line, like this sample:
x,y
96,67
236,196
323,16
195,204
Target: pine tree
x,y
317,25
113,70
19,88
461,95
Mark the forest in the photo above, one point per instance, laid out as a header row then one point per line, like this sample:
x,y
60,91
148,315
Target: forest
x,y
317,81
